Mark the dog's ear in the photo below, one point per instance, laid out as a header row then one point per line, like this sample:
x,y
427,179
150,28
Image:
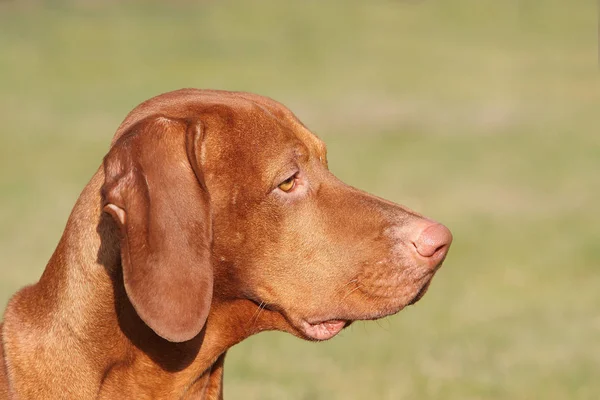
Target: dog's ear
x,y
155,192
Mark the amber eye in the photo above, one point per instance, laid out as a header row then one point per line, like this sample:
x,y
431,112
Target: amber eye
x,y
288,184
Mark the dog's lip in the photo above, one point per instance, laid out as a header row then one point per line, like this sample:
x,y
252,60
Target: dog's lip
x,y
326,326
311,328
420,293
323,330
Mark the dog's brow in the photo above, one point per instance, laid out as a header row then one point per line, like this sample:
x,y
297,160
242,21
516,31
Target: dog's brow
x,y
300,152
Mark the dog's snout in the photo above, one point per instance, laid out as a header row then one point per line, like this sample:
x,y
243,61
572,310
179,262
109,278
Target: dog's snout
x,y
433,242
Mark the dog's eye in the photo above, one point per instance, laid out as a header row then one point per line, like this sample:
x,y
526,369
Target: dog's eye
x,y
288,184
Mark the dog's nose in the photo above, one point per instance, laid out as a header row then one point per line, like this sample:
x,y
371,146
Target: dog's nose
x,y
433,242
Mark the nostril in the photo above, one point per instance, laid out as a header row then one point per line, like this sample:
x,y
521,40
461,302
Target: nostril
x,y
433,239
428,251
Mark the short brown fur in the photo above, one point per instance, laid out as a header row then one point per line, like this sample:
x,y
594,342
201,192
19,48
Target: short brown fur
x,y
182,245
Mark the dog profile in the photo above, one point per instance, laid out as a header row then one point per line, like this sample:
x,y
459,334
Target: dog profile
x,y
213,217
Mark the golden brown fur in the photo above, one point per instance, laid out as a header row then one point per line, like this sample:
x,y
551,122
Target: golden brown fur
x,y
182,245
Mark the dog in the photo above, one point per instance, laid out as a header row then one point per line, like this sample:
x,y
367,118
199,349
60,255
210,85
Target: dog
x,y
213,217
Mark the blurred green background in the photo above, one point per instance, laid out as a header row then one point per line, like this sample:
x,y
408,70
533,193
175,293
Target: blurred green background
x,y
481,114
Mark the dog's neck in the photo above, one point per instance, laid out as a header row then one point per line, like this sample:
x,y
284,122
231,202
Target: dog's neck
x,y
83,299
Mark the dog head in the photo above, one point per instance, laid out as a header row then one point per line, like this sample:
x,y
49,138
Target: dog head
x,y
228,195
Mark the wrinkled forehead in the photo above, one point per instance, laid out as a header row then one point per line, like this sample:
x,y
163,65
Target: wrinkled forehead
x,y
257,138
243,133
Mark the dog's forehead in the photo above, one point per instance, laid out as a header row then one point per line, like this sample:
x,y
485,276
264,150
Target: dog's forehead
x,y
194,103
291,127
248,126
239,128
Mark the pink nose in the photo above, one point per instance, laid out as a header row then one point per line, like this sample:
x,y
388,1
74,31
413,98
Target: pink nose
x,y
434,242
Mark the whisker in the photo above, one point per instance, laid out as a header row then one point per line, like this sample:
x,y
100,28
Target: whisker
x,y
350,292
260,310
348,283
256,314
381,326
339,306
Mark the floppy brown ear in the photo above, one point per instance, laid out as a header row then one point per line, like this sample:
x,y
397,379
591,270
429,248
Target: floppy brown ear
x,y
154,191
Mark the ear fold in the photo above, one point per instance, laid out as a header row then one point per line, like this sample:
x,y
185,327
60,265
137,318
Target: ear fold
x,y
155,193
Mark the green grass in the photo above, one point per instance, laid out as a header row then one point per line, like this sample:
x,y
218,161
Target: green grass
x,y
481,114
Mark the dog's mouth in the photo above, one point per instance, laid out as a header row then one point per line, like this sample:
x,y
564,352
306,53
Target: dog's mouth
x,y
323,330
317,329
420,293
